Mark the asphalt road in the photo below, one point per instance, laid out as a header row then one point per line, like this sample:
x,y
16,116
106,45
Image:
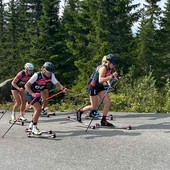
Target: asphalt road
x,y
145,147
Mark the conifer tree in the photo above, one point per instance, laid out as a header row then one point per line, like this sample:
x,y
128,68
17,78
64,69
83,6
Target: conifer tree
x,y
10,53
147,42
16,36
1,20
49,45
1,35
97,28
165,41
44,43
24,24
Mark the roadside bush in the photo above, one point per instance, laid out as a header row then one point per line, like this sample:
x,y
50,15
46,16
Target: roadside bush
x,y
166,107
139,95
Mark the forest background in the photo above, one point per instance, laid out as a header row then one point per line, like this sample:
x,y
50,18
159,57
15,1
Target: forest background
x,y
76,41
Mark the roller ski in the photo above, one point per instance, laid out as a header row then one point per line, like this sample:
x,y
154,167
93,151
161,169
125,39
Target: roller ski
x,y
81,123
51,114
2,111
126,127
29,130
17,122
98,116
48,115
42,135
44,113
35,132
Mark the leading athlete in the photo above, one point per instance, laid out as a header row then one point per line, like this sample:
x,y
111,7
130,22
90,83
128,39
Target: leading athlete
x,y
96,89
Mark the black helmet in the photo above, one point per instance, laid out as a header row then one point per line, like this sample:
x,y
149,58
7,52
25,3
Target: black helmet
x,y
49,66
112,58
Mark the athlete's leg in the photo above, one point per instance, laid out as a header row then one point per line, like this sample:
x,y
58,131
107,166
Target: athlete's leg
x,y
35,117
93,102
44,96
36,103
17,102
106,101
23,104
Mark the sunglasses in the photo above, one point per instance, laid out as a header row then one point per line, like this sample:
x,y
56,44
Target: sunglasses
x,y
48,72
30,71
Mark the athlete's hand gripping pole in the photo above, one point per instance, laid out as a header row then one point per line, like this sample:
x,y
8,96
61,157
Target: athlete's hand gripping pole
x,y
19,117
107,91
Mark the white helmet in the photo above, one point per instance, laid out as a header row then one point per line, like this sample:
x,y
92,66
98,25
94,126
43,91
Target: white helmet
x,y
29,67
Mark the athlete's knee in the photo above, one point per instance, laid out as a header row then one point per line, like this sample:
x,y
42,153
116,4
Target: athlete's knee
x,y
24,102
38,109
17,104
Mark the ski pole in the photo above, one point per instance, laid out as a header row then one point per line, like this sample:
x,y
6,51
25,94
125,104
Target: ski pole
x,y
78,94
54,95
4,111
100,103
19,117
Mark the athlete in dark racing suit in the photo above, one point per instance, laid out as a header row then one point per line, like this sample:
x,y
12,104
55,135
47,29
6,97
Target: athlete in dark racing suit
x,y
17,90
97,90
33,88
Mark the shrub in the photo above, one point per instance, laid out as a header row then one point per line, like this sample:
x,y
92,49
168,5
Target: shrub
x,y
139,95
166,107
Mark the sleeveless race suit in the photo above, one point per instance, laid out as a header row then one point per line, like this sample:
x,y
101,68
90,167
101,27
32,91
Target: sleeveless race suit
x,y
22,80
38,82
94,86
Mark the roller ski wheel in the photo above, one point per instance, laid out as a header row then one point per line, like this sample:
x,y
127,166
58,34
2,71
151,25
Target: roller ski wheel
x,y
111,117
68,117
51,114
98,125
50,132
54,136
93,127
129,127
22,122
